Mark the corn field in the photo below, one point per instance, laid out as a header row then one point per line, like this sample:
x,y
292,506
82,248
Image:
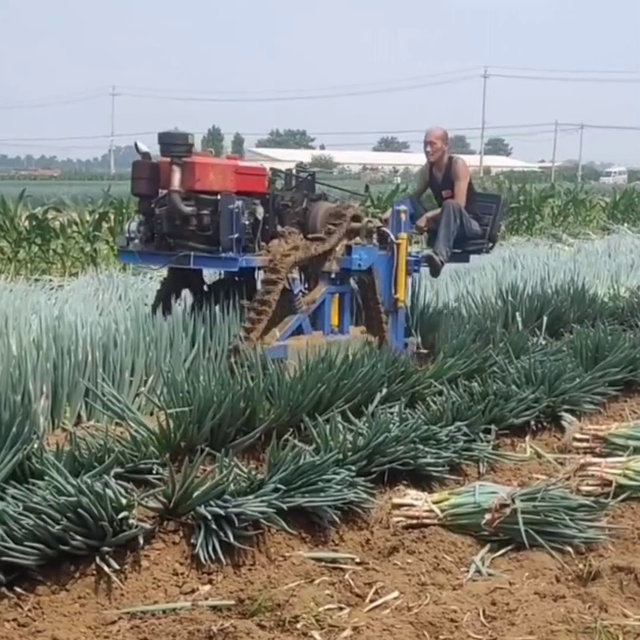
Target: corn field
x,y
60,239
113,421
67,238
536,210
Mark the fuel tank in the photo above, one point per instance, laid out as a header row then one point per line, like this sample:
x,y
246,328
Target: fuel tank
x,y
204,173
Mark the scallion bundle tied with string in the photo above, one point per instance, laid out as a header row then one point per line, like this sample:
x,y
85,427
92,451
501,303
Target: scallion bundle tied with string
x,y
547,514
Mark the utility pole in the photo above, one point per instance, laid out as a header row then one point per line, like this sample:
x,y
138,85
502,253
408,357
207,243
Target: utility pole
x,y
553,155
112,160
485,77
580,153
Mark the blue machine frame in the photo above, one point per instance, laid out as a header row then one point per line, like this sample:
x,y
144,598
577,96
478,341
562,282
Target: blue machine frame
x,y
331,312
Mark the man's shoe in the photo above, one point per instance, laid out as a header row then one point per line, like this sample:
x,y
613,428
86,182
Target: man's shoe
x,y
435,264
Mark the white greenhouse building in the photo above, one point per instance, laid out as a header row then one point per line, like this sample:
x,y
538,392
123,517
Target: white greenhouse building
x,y
381,160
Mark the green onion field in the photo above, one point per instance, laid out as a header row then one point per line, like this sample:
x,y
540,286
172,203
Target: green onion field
x,y
152,487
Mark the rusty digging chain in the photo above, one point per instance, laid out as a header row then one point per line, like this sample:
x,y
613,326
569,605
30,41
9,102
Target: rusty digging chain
x,y
375,319
293,251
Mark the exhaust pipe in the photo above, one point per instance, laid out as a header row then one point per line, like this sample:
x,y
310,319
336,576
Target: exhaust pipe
x,y
176,205
176,145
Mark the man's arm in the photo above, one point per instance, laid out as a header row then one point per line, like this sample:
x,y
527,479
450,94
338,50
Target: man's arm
x,y
423,182
418,192
428,219
461,179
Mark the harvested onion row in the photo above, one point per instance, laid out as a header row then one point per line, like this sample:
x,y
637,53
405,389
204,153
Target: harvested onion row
x,y
622,438
609,476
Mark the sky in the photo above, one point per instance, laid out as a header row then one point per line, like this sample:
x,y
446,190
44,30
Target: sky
x,y
61,58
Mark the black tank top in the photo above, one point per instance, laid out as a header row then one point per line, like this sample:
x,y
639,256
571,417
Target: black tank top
x,y
443,189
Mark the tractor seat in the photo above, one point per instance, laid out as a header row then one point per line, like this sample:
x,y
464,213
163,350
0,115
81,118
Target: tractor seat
x,y
489,212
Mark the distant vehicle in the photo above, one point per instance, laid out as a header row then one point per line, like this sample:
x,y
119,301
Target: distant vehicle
x,y
614,175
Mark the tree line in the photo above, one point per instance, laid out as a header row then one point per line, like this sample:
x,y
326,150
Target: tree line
x,y
215,142
300,139
70,167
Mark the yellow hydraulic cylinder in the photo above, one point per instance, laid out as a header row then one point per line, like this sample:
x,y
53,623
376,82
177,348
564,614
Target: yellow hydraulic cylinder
x,y
335,311
401,267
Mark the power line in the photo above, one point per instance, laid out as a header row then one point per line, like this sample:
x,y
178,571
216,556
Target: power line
x,y
506,130
519,137
520,130
351,85
324,96
98,136
576,71
522,134
55,102
545,140
606,126
422,130
139,92
527,136
568,79
106,137
383,90
266,133
363,88
26,145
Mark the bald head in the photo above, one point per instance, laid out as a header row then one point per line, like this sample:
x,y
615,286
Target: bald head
x,y
439,133
436,145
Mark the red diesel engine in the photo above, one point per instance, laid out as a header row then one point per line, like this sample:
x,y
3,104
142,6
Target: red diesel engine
x,y
193,201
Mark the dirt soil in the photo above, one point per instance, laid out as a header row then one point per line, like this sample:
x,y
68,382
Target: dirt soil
x,y
279,594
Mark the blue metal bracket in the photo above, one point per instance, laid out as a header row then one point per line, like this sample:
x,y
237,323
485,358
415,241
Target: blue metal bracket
x,y
190,260
316,318
301,319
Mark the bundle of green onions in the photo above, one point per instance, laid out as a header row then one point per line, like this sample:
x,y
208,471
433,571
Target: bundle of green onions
x,y
622,438
609,476
546,514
